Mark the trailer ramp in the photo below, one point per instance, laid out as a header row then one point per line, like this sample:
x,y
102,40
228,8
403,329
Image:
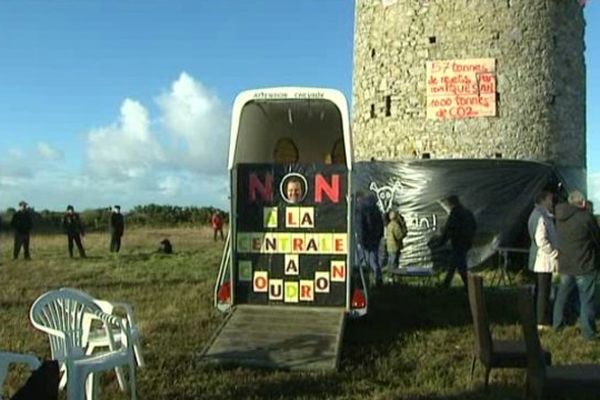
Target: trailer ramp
x,y
282,337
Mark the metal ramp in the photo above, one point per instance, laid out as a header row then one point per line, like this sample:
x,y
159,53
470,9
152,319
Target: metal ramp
x,y
282,337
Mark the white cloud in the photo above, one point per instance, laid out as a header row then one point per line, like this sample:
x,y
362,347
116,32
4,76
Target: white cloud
x,y
191,136
196,118
176,156
48,152
14,168
8,181
126,149
170,185
15,154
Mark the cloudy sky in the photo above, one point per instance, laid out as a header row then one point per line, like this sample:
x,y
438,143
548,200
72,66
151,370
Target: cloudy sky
x,y
105,102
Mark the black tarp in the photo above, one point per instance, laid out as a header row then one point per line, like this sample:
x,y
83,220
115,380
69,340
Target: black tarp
x,y
499,192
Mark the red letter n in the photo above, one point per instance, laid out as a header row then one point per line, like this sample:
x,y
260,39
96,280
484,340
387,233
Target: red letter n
x,y
265,190
332,191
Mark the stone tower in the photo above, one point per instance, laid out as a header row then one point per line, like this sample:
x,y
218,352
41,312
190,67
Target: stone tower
x,y
469,79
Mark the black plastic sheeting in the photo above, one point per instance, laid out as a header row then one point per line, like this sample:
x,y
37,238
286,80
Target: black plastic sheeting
x,y
500,193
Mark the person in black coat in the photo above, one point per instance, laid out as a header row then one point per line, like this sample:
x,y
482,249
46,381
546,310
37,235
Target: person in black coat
x,y
22,224
578,262
460,230
74,230
370,234
117,228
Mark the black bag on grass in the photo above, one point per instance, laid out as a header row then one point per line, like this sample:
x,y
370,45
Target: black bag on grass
x,y
42,384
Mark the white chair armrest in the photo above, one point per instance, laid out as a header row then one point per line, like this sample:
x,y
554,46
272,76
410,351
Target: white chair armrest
x,y
126,307
7,358
109,320
50,331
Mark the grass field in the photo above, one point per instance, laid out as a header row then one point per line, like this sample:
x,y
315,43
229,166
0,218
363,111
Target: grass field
x,y
415,343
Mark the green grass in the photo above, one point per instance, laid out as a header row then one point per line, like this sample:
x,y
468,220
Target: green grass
x,y
415,343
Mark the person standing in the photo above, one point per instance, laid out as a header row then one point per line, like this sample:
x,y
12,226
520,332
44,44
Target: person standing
x,y
579,247
216,222
371,232
546,258
460,230
74,230
383,252
22,224
532,224
117,228
395,232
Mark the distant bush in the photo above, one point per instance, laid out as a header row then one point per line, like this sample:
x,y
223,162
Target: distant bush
x,y
152,215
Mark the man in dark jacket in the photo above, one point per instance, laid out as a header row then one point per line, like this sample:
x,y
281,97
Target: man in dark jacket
x,y
117,227
22,224
371,232
460,230
74,230
578,258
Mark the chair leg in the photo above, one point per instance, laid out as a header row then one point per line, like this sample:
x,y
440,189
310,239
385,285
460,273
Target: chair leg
x,y
473,361
487,377
132,380
75,386
138,355
91,387
63,377
121,379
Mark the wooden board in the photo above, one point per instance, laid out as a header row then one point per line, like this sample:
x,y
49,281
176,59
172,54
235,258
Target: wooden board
x,y
291,338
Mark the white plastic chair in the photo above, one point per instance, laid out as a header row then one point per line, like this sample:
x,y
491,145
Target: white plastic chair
x,y
61,314
94,337
7,358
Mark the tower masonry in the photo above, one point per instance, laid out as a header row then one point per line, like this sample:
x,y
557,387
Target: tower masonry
x,y
469,79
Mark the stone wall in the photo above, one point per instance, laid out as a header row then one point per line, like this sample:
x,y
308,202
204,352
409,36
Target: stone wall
x,y
540,76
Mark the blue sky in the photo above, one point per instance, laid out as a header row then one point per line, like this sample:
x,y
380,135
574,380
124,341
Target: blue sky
x,y
105,102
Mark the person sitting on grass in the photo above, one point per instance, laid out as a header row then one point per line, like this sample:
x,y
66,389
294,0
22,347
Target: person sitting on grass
x,y
165,247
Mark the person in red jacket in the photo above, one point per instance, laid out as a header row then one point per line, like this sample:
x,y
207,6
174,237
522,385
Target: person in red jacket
x,y
217,224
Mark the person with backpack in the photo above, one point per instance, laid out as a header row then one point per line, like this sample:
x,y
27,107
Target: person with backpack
x,y
395,232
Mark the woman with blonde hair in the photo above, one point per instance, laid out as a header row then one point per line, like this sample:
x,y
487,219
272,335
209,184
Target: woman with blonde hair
x,y
395,232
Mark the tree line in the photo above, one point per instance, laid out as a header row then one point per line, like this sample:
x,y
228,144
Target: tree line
x,y
151,215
